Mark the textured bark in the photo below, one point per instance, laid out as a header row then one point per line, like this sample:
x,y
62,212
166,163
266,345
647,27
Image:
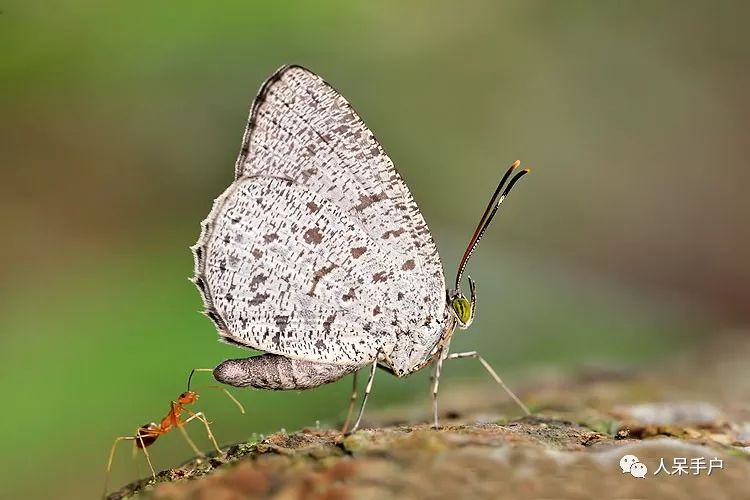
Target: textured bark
x,y
570,449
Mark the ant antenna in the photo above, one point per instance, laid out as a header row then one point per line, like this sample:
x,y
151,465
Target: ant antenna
x,y
222,389
190,377
498,197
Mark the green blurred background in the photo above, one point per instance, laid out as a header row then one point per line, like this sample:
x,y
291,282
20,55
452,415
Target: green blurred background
x,y
120,122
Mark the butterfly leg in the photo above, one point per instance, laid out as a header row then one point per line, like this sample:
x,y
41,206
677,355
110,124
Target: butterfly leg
x,y
435,385
368,388
352,400
493,374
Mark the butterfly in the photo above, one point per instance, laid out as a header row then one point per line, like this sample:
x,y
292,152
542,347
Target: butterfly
x,y
317,255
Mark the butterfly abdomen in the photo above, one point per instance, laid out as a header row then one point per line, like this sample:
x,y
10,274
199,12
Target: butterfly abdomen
x,y
274,372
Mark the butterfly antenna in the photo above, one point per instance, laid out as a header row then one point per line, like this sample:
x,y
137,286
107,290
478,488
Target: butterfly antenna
x,y
497,199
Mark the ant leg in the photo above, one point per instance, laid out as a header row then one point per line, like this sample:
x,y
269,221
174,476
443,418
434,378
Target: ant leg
x,y
111,457
368,388
493,374
229,395
139,437
202,417
133,458
190,441
181,426
352,400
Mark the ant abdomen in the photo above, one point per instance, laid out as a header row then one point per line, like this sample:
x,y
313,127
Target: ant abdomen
x,y
146,436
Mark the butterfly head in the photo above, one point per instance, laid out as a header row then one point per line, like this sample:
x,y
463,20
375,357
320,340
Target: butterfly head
x,y
463,309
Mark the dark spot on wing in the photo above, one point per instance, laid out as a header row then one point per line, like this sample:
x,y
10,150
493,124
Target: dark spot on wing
x,y
328,322
259,299
257,280
320,344
408,265
281,323
313,236
380,277
376,310
256,253
358,251
367,200
312,207
397,232
307,173
351,295
400,295
268,238
318,276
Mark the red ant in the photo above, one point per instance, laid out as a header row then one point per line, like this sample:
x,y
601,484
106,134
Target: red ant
x,y
147,434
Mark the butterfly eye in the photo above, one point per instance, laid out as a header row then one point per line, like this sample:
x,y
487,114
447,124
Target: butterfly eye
x,y
462,307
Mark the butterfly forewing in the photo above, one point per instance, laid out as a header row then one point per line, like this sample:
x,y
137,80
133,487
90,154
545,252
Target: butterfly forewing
x,y
317,250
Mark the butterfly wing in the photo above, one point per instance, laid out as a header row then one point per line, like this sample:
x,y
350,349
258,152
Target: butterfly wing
x,y
317,250
303,129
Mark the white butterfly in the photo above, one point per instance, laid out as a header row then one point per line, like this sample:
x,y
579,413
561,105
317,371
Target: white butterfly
x,y
318,256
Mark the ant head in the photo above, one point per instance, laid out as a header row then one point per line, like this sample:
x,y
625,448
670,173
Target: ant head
x,y
187,397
